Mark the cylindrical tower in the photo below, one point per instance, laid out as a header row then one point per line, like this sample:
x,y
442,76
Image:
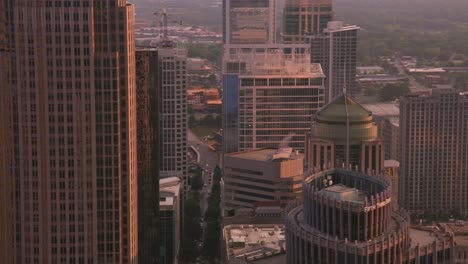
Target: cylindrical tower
x,y
346,217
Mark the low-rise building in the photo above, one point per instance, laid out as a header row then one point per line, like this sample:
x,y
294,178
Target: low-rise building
x,y
262,175
251,243
365,70
202,99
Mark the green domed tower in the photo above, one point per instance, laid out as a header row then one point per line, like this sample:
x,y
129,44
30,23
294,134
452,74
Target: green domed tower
x,y
341,123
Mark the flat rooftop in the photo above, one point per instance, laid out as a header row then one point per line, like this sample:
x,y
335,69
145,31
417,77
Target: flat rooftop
x,y
266,155
421,237
344,193
253,242
384,109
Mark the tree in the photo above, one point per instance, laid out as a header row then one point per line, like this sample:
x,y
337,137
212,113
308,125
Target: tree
x,y
211,247
192,122
393,91
219,121
197,180
208,120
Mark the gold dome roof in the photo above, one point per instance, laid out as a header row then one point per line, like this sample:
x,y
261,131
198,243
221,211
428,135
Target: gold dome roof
x,y
330,122
335,112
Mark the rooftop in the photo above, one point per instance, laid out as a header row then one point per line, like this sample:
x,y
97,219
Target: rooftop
x,y
344,193
421,237
391,164
254,241
337,110
383,109
268,154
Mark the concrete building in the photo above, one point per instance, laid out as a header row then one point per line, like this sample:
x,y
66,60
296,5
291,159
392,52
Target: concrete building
x,y
262,175
347,217
335,49
174,123
170,220
270,93
326,144
249,22
148,151
391,171
305,17
433,152
387,117
73,111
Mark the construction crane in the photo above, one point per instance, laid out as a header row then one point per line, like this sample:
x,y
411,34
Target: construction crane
x,y
163,22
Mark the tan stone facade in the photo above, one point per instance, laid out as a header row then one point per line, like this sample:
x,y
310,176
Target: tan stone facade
x,y
434,152
262,175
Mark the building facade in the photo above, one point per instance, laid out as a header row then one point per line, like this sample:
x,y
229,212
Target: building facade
x,y
6,146
329,138
433,152
169,234
387,116
148,120
249,22
305,17
262,175
335,49
173,117
73,112
347,217
270,93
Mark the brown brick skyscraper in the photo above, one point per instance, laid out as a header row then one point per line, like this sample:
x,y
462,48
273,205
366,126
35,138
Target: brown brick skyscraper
x,y
434,152
73,124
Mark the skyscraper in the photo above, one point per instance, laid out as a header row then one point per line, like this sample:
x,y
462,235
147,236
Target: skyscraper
x,y
270,93
73,112
335,49
434,152
249,21
6,146
173,117
305,17
340,124
148,132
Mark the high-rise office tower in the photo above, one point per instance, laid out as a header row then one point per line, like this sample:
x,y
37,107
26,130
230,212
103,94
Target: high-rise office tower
x,y
148,151
270,92
173,117
344,133
335,49
434,152
73,112
305,17
249,22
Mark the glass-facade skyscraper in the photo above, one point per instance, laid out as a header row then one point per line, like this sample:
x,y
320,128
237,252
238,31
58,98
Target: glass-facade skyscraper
x,y
72,140
305,17
270,93
249,21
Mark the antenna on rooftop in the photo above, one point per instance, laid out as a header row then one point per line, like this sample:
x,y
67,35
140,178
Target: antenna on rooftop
x,y
345,94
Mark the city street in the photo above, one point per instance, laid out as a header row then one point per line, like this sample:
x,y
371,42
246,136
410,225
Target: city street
x,y
208,161
414,86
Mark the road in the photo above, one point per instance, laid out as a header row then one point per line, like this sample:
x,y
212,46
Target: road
x,y
208,161
414,86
